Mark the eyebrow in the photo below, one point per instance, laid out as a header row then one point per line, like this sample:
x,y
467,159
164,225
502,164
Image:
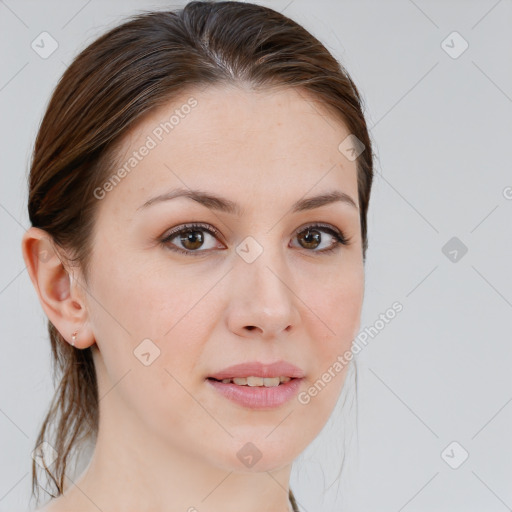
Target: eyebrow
x,y
214,202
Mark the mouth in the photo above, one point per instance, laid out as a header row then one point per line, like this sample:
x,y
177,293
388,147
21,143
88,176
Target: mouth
x,y
257,392
252,381
256,385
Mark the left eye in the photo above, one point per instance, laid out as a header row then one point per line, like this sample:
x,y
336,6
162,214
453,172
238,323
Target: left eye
x,y
311,236
191,237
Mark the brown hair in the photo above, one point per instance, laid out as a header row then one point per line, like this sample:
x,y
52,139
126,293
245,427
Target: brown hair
x,y
132,69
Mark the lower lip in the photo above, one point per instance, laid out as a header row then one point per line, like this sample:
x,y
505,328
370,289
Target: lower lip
x,y
258,397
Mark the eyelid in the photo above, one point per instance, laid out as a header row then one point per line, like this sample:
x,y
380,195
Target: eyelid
x,y
313,225
192,225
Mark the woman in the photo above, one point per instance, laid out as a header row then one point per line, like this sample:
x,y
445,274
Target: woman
x,y
198,198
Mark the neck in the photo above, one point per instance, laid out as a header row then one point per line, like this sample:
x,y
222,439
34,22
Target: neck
x,y
131,470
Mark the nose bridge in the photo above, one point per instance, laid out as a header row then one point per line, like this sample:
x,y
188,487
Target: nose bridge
x,y
265,266
263,289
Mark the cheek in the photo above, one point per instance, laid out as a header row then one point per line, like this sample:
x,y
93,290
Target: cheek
x,y
332,325
334,299
139,309
150,337
345,311
141,299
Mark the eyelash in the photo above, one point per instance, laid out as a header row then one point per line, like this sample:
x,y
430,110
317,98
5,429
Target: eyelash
x,y
340,239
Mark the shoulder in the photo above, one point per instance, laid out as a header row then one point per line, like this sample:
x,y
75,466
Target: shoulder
x,y
47,508
52,506
63,504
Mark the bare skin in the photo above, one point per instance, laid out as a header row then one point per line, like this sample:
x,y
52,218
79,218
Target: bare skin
x,y
167,440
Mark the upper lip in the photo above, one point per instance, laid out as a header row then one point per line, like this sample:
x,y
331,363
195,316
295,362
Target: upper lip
x,y
257,369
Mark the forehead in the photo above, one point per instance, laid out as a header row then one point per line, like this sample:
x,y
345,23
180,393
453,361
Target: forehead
x,y
257,144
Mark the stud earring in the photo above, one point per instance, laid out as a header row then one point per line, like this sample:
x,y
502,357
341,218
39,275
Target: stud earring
x,y
73,338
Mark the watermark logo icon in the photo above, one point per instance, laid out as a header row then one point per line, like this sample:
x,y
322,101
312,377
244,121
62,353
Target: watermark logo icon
x,y
249,454
44,255
454,45
44,452
146,352
249,249
44,45
454,455
351,147
454,249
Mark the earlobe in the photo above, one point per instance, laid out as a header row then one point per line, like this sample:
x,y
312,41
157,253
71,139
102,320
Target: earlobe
x,y
55,287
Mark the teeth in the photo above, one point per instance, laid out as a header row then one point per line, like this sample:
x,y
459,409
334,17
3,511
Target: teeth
x,y
254,381
257,381
241,381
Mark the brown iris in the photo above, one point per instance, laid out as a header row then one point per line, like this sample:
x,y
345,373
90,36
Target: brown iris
x,y
310,237
193,237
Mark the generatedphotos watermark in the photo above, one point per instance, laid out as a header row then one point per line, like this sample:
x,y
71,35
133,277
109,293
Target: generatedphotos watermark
x,y
359,342
151,142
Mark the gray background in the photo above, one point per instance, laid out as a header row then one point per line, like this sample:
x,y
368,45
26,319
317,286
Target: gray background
x,y
440,370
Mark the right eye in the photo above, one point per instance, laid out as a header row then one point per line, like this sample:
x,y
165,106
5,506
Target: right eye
x,y
191,236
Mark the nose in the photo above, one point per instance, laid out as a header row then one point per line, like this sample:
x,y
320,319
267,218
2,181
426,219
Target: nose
x,y
262,302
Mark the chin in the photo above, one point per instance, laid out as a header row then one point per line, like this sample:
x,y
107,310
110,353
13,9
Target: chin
x,y
257,453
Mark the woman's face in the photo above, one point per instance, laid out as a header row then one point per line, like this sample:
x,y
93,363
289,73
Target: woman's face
x,y
250,285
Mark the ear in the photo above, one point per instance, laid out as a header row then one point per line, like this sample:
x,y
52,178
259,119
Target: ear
x,y
59,292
